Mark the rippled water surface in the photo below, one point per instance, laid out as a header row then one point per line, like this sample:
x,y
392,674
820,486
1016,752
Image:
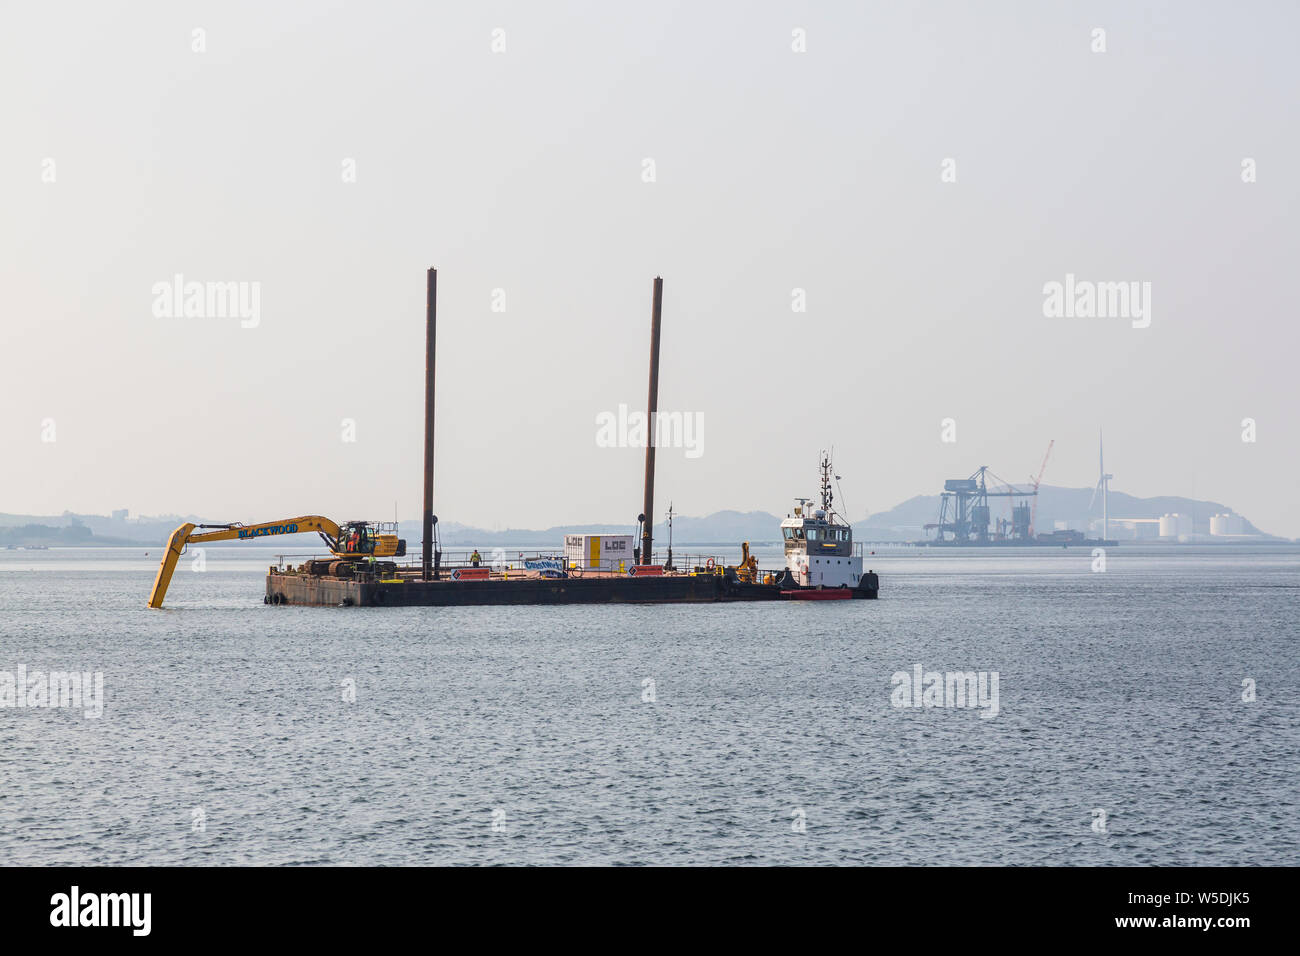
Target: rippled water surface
x,y
520,735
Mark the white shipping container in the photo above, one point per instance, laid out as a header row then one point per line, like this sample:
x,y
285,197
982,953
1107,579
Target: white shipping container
x,y
607,552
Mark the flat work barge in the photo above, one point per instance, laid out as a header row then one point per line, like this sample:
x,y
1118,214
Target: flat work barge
x,y
821,560
526,587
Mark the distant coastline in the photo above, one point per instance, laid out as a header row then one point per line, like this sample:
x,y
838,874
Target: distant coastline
x,y
902,524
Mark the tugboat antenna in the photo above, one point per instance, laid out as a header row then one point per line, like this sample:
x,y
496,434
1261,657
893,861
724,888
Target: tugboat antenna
x,y
828,497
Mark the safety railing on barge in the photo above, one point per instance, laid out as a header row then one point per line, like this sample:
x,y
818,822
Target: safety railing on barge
x,y
499,563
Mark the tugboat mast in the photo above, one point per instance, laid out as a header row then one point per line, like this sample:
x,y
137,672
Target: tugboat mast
x,y
827,497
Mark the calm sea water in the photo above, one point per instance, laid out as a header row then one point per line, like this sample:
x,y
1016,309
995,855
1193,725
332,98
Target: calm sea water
x,y
521,735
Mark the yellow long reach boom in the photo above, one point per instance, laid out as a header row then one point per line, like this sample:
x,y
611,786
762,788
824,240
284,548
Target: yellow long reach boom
x,y
360,542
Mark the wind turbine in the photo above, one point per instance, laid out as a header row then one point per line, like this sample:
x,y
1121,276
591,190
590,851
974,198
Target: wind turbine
x,y
1103,485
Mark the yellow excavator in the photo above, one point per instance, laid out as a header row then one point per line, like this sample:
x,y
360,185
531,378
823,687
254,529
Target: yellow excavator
x,y
353,541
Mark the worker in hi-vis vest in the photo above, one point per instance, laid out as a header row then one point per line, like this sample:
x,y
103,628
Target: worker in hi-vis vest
x,y
475,558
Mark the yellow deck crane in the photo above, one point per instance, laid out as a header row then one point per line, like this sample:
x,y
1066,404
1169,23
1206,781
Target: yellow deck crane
x,y
747,570
354,541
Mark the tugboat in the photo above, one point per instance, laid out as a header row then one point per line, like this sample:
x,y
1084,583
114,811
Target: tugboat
x,y
819,551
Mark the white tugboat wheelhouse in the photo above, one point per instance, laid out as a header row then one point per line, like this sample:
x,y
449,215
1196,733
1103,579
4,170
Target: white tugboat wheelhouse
x,y
818,544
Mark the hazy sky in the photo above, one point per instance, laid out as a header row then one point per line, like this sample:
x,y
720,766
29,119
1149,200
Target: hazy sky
x,y
130,158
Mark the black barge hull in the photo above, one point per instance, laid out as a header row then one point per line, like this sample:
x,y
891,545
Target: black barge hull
x,y
324,591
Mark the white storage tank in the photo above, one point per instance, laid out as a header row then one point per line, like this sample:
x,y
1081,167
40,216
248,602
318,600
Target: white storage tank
x,y
1227,524
1175,525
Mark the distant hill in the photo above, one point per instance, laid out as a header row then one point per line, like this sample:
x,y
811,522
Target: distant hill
x,y
44,535
86,531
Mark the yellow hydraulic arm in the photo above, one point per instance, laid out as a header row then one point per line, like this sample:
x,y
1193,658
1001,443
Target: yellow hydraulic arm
x,y
185,534
747,570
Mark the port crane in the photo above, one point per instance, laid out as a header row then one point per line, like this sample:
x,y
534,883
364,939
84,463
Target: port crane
x,y
964,507
353,541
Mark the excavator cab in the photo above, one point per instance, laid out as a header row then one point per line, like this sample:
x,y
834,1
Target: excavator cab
x,y
371,539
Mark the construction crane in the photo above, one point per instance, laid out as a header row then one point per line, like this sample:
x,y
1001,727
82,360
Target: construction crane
x,y
1033,515
353,542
